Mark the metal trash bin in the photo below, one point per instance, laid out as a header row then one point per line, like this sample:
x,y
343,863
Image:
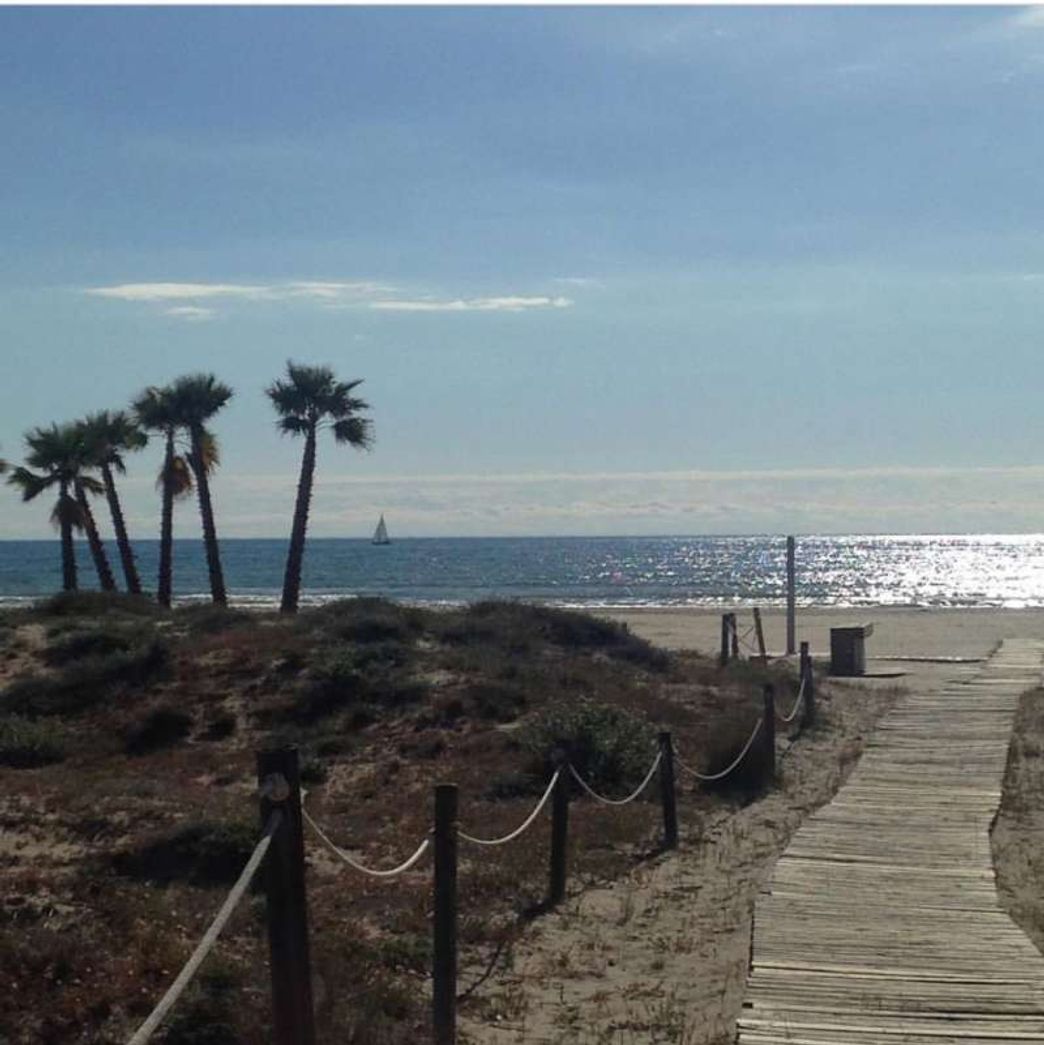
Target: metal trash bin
x,y
848,649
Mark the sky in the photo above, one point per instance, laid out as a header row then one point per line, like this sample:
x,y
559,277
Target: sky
x,y
602,270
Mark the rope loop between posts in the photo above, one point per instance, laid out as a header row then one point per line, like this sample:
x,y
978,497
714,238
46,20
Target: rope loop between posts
x,y
209,938
785,719
521,829
362,868
725,772
618,801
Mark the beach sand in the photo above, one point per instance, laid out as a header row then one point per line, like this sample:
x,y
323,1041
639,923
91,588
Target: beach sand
x,y
898,632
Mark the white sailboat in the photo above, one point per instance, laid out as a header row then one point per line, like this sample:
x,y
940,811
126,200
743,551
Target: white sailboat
x,y
380,535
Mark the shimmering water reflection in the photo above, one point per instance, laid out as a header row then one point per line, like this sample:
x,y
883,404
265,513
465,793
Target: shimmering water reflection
x,y
921,570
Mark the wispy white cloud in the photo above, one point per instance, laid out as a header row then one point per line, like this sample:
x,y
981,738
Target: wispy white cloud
x,y
326,293
191,313
325,290
175,291
495,304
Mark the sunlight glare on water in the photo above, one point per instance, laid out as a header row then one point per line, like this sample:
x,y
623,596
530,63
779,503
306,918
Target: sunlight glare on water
x,y
856,570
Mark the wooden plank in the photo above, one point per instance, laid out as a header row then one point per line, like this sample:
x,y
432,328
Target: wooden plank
x,y
881,923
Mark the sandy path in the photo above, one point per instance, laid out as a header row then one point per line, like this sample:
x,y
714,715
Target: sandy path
x,y
662,956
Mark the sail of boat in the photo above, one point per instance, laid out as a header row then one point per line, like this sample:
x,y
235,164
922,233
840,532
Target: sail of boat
x,y
380,535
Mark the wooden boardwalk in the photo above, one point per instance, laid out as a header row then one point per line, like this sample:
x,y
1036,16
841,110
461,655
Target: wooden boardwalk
x,y
881,923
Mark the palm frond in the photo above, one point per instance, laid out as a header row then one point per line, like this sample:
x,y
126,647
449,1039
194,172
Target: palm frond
x,y
355,431
29,483
196,398
293,424
91,485
181,482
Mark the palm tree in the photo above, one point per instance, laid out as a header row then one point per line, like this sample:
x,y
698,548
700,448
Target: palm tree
x,y
108,436
154,411
310,399
196,398
57,455
82,485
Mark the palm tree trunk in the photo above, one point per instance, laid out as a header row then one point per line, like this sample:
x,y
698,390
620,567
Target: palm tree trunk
x,y
206,514
130,567
165,581
295,556
68,548
94,542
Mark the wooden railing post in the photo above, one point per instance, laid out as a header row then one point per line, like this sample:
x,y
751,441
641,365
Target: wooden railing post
x,y
444,921
667,795
724,658
559,829
760,633
808,679
791,598
292,1015
769,728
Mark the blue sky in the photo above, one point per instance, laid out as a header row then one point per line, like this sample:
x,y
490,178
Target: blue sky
x,y
603,270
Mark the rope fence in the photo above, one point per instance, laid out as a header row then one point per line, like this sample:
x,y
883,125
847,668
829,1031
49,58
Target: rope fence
x,y
210,937
524,826
281,842
392,872
618,801
732,767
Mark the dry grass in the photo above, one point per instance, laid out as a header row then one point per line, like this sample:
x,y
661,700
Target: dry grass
x,y
113,861
1017,853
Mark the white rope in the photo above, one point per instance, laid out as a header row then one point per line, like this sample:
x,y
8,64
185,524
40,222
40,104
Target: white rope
x,y
618,801
521,827
147,1029
373,872
797,704
725,772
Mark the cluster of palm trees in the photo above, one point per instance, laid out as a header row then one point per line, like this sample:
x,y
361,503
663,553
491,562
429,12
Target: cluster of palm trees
x,y
81,459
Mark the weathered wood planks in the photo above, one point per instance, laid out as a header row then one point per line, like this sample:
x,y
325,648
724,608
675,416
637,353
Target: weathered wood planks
x,y
880,924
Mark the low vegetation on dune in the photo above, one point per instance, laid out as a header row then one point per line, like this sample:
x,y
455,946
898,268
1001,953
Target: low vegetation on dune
x,y
127,744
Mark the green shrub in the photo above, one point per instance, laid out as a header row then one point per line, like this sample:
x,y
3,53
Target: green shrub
x,y
609,747
494,701
160,728
517,626
208,619
96,604
75,644
25,743
86,682
364,620
204,853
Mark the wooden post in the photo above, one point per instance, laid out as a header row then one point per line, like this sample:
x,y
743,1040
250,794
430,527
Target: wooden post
x,y
559,830
724,658
759,631
769,728
444,921
809,682
791,598
292,1016
667,796
735,636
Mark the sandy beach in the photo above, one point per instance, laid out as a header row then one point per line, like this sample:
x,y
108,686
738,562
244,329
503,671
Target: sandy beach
x,y
898,632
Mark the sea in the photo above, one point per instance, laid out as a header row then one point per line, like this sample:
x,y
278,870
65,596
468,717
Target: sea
x,y
927,570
